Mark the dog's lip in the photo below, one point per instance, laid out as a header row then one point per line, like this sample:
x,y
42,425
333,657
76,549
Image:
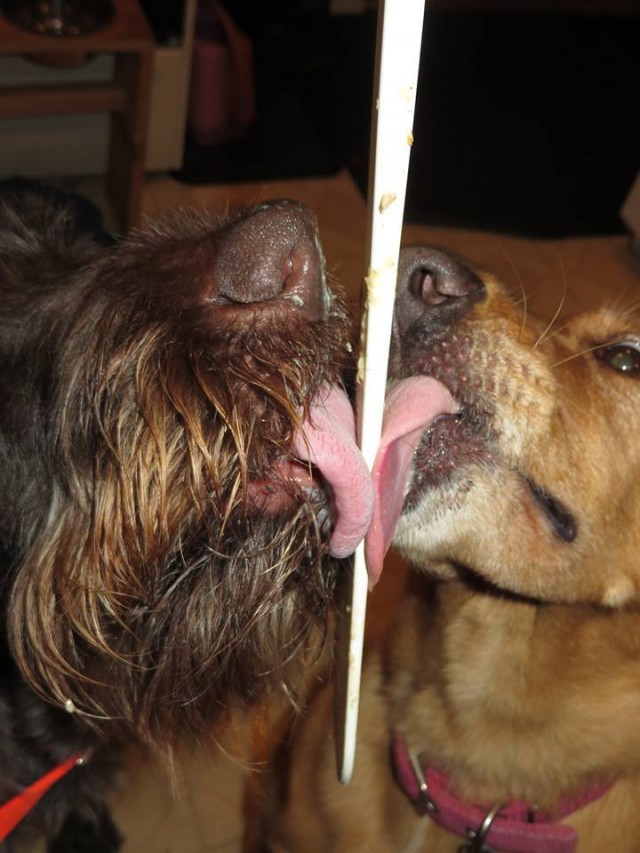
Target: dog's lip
x,y
277,492
559,517
412,405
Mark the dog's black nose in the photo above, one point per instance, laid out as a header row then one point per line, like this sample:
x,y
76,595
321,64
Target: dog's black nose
x,y
272,253
433,287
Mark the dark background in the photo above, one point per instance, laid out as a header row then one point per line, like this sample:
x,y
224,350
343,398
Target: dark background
x,y
526,121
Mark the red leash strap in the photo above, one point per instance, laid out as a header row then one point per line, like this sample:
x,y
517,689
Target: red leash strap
x,y
18,807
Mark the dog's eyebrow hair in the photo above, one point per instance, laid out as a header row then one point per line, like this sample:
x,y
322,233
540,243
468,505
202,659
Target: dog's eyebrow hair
x,y
562,521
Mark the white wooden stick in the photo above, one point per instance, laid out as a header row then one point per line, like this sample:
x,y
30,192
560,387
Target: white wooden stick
x,y
397,64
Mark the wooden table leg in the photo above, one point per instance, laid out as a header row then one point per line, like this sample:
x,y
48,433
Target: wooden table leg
x,y
128,136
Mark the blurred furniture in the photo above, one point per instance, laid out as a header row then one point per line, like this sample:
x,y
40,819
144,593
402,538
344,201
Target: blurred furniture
x,y
587,7
126,97
170,90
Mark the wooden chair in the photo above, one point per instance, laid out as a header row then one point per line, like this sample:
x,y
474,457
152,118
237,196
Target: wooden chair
x,y
126,97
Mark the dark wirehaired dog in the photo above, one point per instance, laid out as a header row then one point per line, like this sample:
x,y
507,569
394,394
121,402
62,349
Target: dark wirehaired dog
x,y
178,479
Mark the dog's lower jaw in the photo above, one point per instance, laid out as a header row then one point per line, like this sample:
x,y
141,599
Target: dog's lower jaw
x,y
487,518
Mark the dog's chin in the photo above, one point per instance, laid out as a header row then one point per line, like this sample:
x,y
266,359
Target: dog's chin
x,y
475,580
494,527
475,574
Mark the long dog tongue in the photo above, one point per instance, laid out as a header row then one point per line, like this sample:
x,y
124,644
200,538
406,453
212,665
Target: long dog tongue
x,y
409,409
327,440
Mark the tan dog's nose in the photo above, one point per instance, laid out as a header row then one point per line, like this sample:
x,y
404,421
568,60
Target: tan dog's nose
x,y
434,289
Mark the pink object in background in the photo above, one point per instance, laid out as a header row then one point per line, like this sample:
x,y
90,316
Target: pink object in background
x,y
222,95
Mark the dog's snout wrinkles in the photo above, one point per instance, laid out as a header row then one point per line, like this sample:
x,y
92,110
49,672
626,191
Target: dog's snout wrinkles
x,y
273,255
433,288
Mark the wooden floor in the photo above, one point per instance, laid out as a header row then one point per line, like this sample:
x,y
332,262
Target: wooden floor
x,y
565,275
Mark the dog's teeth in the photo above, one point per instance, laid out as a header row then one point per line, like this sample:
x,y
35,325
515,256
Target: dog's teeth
x,y
69,707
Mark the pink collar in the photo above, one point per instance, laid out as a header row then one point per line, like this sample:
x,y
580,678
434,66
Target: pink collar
x,y
514,826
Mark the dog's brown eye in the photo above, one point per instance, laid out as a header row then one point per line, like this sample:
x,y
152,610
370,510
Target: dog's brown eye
x,y
623,357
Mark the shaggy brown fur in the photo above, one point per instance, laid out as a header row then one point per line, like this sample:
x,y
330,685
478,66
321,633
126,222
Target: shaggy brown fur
x,y
514,664
160,562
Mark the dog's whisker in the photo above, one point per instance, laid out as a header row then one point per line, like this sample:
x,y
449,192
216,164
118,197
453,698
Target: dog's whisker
x,y
576,355
557,331
524,301
543,335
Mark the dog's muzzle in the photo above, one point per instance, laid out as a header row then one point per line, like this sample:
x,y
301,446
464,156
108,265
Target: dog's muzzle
x,y
434,292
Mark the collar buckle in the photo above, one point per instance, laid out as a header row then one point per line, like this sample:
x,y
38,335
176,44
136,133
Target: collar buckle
x,y
478,836
424,803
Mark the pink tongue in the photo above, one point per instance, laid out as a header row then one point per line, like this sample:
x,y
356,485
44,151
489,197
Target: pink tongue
x,y
327,441
409,409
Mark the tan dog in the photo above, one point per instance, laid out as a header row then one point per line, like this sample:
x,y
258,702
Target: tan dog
x,y
506,700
